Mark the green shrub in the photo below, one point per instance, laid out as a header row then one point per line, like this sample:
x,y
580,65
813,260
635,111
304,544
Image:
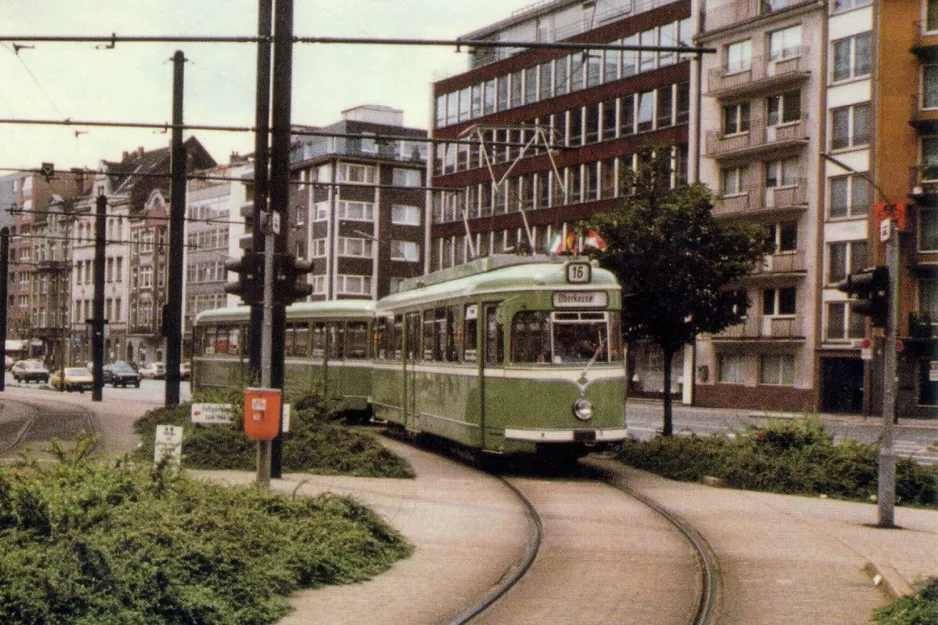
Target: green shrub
x,y
919,609
87,544
794,457
317,443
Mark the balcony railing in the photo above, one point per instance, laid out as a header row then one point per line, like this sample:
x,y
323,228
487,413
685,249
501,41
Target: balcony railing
x,y
924,118
758,198
758,137
764,328
788,262
762,72
743,10
923,326
925,42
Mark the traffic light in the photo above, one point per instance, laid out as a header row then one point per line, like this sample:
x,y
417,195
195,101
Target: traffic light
x,y
869,294
250,284
290,279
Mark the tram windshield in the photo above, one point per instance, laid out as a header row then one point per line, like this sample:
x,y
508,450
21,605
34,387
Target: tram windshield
x,y
540,336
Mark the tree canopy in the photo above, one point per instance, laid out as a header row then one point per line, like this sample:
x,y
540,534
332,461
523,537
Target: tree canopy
x,y
675,262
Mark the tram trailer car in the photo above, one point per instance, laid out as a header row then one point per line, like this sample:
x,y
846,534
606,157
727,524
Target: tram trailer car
x,y
505,356
327,347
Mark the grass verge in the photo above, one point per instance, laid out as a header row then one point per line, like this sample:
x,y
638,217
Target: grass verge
x,y
317,443
130,544
919,609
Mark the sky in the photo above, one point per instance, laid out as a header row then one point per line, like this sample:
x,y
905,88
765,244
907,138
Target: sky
x,y
133,81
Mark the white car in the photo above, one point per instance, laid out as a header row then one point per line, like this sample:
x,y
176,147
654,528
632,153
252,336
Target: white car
x,y
153,371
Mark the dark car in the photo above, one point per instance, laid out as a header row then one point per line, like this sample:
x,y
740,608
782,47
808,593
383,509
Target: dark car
x,y
29,370
121,374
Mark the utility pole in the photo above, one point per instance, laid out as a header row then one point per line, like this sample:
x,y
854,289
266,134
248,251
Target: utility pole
x,y
172,310
4,291
97,313
886,489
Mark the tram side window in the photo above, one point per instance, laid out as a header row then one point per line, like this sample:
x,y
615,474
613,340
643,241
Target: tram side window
x,y
470,332
494,338
356,340
398,343
451,354
413,336
296,340
319,340
530,337
222,340
337,340
382,339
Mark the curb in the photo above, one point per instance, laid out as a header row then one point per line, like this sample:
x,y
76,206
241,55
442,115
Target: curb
x,y
885,574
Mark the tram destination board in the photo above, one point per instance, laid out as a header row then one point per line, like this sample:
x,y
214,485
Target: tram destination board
x,y
580,299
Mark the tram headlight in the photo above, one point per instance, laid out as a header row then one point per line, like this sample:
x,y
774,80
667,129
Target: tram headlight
x,y
583,409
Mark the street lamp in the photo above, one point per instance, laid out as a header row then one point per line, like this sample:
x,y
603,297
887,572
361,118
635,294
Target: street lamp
x,y
886,489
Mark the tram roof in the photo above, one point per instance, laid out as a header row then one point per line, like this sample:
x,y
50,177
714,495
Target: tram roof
x,y
349,307
519,277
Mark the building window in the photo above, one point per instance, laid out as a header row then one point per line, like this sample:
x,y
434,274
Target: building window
x,y
786,237
406,177
850,126
930,86
779,302
785,43
783,108
730,369
783,173
347,246
849,196
736,118
405,250
846,5
852,57
405,215
929,161
357,174
845,258
646,111
352,285
928,230
738,56
777,370
355,211
843,323
931,15
734,180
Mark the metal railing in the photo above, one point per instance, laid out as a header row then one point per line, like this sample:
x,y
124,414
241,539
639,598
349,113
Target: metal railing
x,y
760,72
761,198
758,135
743,10
762,328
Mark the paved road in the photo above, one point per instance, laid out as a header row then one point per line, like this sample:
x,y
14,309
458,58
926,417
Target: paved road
x,y
150,390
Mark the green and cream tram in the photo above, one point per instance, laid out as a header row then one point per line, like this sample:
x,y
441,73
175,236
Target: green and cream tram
x,y
505,355
327,347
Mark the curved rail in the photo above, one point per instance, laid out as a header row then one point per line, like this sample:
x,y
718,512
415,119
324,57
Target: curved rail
x,y
44,417
711,582
521,567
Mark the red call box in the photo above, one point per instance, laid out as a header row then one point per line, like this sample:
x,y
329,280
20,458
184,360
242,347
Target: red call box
x,y
262,413
898,212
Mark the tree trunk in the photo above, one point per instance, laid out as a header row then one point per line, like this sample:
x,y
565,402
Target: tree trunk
x,y
668,426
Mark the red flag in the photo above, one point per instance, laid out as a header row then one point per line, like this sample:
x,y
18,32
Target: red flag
x,y
594,240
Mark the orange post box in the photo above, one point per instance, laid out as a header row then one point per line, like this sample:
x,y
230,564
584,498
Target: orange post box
x,y
262,413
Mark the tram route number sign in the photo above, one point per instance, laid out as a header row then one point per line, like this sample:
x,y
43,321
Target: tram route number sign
x,y
212,413
168,445
579,273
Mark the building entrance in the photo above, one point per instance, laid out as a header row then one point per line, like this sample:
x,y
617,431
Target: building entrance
x,y
842,385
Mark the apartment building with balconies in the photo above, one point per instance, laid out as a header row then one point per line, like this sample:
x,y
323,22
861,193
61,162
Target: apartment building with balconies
x,y
762,132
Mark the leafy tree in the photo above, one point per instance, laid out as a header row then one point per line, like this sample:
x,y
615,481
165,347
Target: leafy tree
x,y
675,262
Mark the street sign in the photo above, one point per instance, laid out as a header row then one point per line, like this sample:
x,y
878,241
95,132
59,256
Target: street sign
x,y
168,445
212,413
884,228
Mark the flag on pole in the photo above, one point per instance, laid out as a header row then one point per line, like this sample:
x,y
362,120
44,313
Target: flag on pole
x,y
555,245
571,242
595,241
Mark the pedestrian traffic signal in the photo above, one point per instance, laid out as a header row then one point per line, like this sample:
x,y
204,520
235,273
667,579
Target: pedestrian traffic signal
x,y
250,284
869,294
290,283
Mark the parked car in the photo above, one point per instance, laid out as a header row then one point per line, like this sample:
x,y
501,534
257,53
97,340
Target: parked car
x,y
153,371
9,363
29,371
72,379
120,373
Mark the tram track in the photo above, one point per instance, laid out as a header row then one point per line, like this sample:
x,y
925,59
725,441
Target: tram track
x,y
533,586
27,421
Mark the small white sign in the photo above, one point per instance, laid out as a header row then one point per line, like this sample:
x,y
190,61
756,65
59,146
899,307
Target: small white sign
x,y
866,353
884,228
259,404
168,444
212,413
580,299
285,418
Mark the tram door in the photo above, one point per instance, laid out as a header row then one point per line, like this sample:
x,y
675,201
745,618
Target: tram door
x,y
493,358
411,356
